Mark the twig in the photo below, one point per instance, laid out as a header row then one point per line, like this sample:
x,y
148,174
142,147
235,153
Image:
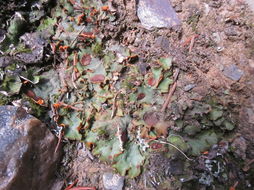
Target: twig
x,y
71,185
114,105
83,188
175,148
171,92
192,43
82,29
59,140
70,106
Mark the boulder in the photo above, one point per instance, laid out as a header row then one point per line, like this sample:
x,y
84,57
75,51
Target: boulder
x,y
27,151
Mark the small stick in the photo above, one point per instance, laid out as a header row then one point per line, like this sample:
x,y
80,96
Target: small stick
x,y
83,188
114,105
71,185
70,106
175,148
192,43
171,92
82,29
59,140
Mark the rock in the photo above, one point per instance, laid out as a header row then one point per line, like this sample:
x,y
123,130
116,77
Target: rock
x,y
159,14
2,35
176,167
5,61
239,147
27,158
189,87
215,3
163,43
233,72
251,4
35,44
112,181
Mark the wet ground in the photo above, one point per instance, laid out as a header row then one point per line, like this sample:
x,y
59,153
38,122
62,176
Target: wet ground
x,y
213,103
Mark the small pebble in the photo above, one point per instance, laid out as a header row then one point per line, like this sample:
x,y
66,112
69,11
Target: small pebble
x,y
233,72
113,181
189,87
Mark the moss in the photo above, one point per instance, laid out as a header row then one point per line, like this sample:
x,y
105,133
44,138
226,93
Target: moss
x,y
193,21
97,48
4,100
37,110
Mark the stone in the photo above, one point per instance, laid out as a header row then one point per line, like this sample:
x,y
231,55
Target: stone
x,y
27,151
157,14
239,147
163,43
251,4
34,42
188,87
5,61
112,181
233,72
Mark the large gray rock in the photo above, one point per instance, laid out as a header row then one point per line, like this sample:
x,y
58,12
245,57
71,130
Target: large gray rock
x,y
157,14
27,158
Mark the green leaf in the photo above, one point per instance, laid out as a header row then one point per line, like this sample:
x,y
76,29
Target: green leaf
x,y
31,76
48,86
215,114
191,130
73,122
106,135
145,95
164,85
178,142
130,161
228,125
11,85
47,25
166,62
202,142
108,150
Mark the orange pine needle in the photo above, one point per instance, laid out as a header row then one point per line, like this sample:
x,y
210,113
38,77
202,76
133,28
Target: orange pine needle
x,y
75,59
62,125
88,35
63,48
25,82
56,105
72,2
83,188
105,8
80,19
40,102
71,185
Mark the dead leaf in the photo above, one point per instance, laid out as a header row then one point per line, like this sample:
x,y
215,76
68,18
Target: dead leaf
x,y
97,78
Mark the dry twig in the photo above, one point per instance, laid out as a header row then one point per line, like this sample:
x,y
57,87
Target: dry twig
x,y
171,92
175,148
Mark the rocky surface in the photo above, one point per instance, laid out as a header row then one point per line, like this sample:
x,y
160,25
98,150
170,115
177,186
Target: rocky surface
x,y
113,181
27,158
158,14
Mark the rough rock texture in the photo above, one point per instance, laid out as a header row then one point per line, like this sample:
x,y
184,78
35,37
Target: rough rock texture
x,y
113,181
27,158
159,14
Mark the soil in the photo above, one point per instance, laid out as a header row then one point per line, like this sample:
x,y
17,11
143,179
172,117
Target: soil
x,y
213,36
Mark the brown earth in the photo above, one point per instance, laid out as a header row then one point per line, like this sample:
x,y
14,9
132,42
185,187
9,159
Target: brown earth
x,y
214,35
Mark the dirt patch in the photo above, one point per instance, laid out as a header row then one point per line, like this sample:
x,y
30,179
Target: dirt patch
x,y
214,35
